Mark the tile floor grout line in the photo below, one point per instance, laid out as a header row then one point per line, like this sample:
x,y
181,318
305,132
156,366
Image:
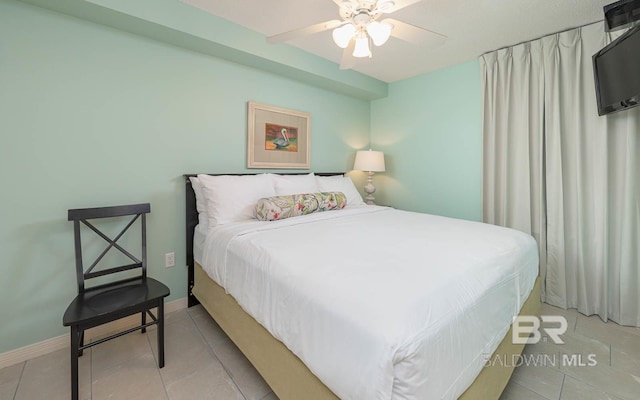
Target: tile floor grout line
x,y
15,392
266,395
534,391
598,388
564,376
530,390
224,367
90,374
213,351
164,386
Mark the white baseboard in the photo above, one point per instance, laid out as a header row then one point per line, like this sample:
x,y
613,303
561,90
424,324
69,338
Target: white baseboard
x,y
60,342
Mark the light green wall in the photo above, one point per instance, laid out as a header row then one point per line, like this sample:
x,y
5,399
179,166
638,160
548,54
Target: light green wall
x,y
93,116
431,132
174,22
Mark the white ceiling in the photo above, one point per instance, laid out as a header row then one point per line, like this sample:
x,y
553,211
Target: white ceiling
x,y
473,27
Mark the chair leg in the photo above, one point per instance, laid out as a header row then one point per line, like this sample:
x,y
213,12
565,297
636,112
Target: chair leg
x,y
75,340
161,333
144,321
80,351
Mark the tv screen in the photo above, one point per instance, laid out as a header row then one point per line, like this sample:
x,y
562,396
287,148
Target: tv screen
x,y
617,73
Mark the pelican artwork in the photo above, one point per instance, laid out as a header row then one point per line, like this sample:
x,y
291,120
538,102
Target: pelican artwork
x,y
283,142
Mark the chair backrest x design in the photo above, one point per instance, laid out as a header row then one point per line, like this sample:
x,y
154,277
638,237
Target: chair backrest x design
x,y
78,216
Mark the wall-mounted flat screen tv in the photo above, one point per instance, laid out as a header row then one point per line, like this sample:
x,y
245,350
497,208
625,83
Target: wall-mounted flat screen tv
x,y
617,73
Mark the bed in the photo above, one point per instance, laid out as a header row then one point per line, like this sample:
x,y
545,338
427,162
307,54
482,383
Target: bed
x,y
291,378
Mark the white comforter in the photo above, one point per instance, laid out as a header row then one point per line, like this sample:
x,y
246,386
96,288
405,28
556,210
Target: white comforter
x,y
379,303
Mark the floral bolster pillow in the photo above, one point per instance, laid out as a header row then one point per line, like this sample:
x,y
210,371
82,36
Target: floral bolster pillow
x,y
281,207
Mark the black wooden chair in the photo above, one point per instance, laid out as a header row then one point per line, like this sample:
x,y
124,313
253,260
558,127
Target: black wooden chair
x,y
120,297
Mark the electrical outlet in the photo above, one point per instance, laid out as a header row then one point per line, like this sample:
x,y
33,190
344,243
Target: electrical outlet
x,y
170,259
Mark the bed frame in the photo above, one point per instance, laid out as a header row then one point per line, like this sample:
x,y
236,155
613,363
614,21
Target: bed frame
x,y
283,371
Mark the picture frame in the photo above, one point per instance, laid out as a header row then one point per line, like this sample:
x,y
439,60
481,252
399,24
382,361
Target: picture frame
x,y
278,137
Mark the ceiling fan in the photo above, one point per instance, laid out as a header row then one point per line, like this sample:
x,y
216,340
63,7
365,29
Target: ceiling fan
x,y
361,25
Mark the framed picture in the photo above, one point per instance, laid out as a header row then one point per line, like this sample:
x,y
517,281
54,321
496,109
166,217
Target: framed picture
x,y
278,137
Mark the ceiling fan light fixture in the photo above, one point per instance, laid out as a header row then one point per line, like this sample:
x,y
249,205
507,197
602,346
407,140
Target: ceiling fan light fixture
x,y
385,5
343,35
379,32
361,49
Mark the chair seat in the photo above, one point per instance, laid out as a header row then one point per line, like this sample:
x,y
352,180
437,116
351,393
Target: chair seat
x,y
114,301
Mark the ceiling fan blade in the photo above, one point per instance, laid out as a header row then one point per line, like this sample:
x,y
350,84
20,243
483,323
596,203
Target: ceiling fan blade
x,y
415,34
399,4
348,60
322,26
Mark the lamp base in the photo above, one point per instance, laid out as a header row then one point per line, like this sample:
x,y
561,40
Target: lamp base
x,y
369,189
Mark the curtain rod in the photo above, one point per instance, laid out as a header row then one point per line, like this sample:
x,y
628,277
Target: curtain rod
x,y
540,37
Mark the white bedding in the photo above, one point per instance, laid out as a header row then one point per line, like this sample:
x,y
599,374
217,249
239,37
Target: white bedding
x,y
379,303
199,237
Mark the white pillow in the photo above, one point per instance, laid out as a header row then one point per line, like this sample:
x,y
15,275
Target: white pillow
x,y
203,218
344,184
233,198
294,184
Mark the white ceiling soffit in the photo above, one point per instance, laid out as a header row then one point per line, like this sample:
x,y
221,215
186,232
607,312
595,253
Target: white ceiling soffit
x,y
473,27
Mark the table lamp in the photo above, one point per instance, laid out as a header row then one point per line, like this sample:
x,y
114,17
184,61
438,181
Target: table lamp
x,y
369,161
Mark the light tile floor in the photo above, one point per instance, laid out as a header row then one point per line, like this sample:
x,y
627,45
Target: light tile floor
x,y
615,348
202,363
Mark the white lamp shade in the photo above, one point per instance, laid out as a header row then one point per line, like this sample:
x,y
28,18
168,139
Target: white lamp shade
x,y
362,47
342,35
369,160
379,32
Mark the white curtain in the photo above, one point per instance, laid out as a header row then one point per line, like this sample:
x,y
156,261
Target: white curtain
x,y
555,169
513,141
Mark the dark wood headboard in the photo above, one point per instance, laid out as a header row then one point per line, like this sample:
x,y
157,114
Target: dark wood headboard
x,y
191,221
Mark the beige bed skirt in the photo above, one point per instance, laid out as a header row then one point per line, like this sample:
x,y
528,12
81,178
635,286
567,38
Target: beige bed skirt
x,y
290,379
